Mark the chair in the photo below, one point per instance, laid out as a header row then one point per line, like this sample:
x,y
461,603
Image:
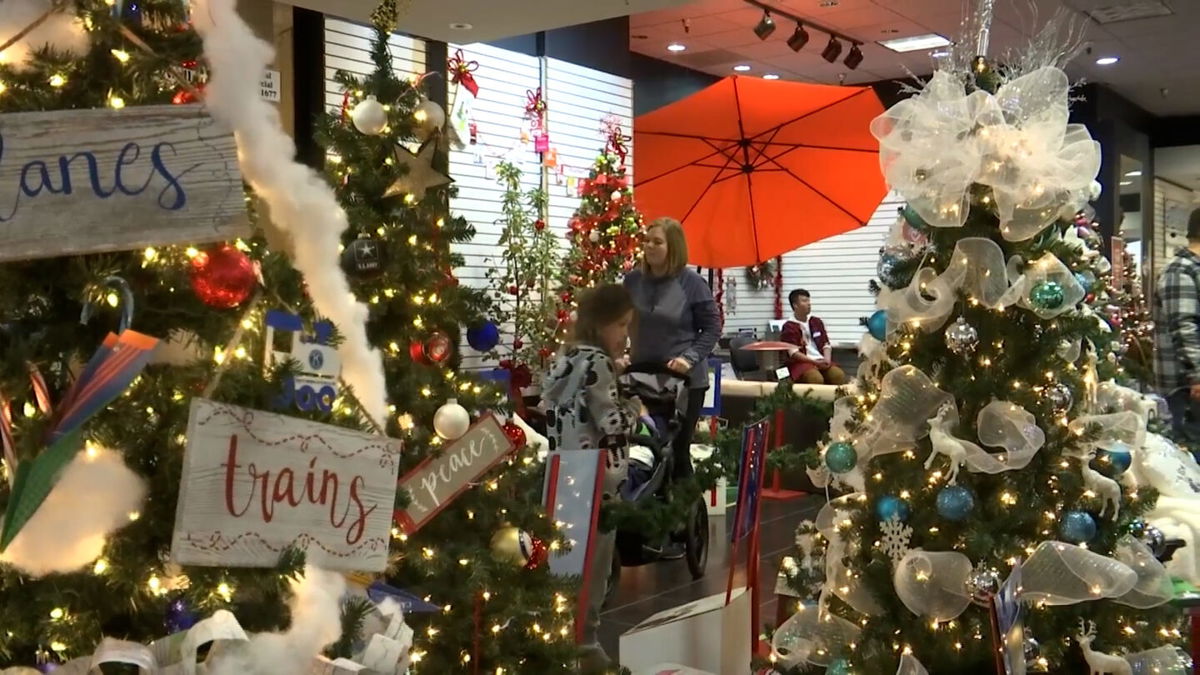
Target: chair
x,y
745,363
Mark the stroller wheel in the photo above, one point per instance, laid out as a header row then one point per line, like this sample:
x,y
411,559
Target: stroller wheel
x,y
696,539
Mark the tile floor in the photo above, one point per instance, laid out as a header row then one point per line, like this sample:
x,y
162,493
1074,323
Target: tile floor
x,y
649,589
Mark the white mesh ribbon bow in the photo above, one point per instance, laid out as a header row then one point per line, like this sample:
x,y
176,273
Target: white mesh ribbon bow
x,y
935,145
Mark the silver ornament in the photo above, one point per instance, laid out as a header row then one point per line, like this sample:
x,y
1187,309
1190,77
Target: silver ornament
x,y
983,584
369,117
594,236
1060,398
1154,539
961,337
1032,649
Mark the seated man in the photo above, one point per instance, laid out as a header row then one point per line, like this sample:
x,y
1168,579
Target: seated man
x,y
811,361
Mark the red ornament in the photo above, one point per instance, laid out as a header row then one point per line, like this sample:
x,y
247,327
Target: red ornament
x,y
514,289
223,277
539,225
566,297
563,315
522,376
518,343
545,352
515,434
539,553
434,349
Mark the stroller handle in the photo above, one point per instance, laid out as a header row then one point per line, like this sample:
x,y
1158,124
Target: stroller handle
x,y
653,369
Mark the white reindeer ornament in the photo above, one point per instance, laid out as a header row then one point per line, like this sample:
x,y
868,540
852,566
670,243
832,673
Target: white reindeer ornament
x,y
1099,663
944,443
1106,488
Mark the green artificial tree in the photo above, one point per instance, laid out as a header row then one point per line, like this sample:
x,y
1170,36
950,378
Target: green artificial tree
x,y
522,286
503,612
982,438
605,231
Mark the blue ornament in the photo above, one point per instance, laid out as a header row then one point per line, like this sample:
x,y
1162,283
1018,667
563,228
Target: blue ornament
x,y
1087,279
1117,458
955,503
483,337
1077,527
840,457
890,506
179,616
1047,295
877,324
838,667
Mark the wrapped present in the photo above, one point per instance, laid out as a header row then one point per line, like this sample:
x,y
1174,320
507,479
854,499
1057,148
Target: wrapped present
x,y
708,635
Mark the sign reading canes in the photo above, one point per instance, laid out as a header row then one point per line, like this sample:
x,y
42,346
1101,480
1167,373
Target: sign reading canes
x,y
84,181
255,484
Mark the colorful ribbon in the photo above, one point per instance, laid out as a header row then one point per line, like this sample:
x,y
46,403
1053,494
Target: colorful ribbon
x,y
41,393
535,103
617,142
460,72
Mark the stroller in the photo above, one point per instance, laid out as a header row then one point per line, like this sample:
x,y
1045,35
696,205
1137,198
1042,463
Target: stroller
x,y
651,465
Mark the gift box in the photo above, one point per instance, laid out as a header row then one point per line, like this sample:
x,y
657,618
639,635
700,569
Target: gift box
x,y
673,669
707,635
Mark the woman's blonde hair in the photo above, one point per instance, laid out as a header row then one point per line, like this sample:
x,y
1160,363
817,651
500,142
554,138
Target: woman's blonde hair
x,y
677,251
599,307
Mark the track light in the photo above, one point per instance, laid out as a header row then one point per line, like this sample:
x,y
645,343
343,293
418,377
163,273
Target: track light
x,y
798,39
765,26
854,58
832,50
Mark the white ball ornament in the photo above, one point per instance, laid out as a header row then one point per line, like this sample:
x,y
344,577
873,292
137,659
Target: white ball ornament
x,y
369,117
430,117
1094,190
451,420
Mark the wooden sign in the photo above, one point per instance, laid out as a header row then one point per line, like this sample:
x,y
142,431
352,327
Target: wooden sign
x,y
439,480
256,483
86,181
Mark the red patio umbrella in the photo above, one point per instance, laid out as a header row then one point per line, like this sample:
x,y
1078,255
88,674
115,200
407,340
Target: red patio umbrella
x,y
756,168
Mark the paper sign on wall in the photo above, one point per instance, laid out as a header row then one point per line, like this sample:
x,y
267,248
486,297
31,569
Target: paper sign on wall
x,y
86,181
269,86
438,481
255,484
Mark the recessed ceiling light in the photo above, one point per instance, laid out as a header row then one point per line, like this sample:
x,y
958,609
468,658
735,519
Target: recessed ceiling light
x,y
676,47
1133,174
741,67
915,43
458,25
1107,60
770,76
1126,182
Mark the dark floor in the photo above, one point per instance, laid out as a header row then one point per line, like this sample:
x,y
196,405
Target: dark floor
x,y
649,589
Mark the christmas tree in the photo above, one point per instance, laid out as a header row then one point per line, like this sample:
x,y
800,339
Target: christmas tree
x,y
605,232
523,286
106,526
985,522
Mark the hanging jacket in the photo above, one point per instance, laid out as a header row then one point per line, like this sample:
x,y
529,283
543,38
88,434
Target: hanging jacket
x,y
584,409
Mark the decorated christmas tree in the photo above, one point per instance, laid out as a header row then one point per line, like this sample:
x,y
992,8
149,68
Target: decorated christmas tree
x,y
523,286
255,380
605,232
986,520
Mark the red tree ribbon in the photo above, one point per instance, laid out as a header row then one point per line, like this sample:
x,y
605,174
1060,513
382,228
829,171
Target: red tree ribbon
x,y
460,72
720,295
779,287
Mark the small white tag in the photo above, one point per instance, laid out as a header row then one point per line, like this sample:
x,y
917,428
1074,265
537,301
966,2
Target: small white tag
x,y
782,373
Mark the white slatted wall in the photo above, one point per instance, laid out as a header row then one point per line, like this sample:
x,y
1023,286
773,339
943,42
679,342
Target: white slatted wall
x,y
579,99
835,270
348,48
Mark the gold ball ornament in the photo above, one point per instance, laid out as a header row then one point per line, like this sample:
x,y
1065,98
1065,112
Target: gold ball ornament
x,y
512,545
369,117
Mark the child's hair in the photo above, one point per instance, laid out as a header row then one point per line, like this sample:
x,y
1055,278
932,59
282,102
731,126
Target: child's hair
x,y
599,307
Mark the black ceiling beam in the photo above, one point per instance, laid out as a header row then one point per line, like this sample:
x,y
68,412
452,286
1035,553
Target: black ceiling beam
x,y
809,24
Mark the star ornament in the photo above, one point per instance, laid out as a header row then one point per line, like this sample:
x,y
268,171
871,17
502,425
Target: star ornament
x,y
419,175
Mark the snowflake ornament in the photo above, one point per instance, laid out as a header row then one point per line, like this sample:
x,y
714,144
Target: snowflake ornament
x,y
897,539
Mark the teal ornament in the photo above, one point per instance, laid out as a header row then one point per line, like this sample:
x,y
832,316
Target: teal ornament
x,y
877,324
1087,279
1116,459
838,667
889,507
1047,295
955,503
1077,527
840,457
914,219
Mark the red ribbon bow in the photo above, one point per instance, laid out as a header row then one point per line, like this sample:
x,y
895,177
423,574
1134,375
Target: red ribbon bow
x,y
460,72
535,103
